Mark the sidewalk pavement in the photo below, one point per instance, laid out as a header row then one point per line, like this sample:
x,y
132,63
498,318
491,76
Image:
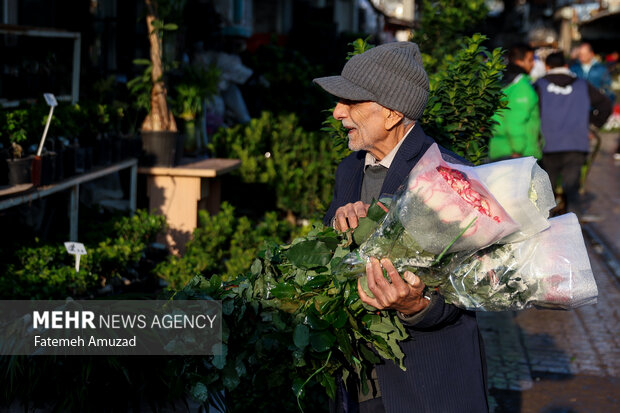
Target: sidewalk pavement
x,y
566,361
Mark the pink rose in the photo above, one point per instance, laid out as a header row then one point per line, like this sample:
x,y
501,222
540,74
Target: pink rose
x,y
461,186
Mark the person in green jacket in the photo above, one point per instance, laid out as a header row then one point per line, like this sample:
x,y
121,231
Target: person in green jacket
x,y
518,126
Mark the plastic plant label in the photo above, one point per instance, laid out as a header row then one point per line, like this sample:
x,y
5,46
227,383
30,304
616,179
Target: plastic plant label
x,y
77,249
50,99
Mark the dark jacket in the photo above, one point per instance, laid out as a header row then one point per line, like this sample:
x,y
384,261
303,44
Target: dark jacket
x,y
350,172
446,367
601,105
598,76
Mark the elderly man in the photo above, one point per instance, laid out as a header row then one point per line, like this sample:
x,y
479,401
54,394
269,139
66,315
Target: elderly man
x,y
382,93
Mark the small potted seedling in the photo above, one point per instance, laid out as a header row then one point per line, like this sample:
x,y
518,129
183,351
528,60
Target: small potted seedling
x,y
19,166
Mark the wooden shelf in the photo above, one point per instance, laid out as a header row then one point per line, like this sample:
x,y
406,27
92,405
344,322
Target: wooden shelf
x,y
21,194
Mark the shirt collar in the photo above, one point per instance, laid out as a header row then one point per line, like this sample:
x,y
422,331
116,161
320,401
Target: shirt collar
x,y
387,160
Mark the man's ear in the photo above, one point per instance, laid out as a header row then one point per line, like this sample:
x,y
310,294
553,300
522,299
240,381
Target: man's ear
x,y
392,118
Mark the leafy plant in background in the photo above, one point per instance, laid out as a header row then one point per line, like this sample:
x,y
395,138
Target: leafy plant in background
x,y
222,244
274,150
67,120
463,98
442,26
47,271
159,116
196,86
140,86
13,130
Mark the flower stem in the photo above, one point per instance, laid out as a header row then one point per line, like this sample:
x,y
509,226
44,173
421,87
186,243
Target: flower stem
x,y
310,378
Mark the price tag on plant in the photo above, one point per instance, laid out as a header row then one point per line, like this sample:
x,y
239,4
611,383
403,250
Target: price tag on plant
x,y
50,99
77,249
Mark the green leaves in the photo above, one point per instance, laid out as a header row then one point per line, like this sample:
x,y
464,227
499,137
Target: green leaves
x,y
309,254
321,340
359,46
301,337
464,95
367,225
442,25
296,165
283,290
159,25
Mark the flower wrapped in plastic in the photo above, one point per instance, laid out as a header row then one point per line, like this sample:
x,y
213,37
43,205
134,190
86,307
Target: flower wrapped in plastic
x,y
523,189
443,208
481,236
550,269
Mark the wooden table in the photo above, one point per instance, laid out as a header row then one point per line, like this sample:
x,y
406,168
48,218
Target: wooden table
x,y
178,192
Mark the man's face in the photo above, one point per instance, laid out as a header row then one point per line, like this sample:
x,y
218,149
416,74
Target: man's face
x,y
365,122
585,54
527,63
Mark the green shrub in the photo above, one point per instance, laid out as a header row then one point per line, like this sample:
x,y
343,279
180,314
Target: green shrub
x,y
442,26
223,244
463,98
45,272
48,271
299,166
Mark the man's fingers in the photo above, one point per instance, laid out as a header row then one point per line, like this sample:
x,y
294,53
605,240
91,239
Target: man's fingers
x,y
394,276
409,277
361,210
341,221
347,216
377,284
413,280
352,220
366,298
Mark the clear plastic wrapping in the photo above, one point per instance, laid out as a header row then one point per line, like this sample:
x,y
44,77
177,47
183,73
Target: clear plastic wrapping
x,y
524,191
428,218
550,269
482,237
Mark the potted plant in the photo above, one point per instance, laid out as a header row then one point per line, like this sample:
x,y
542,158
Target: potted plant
x,y
159,128
14,127
198,86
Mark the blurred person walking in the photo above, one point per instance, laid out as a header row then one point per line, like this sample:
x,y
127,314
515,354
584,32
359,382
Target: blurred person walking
x,y
567,107
588,67
518,126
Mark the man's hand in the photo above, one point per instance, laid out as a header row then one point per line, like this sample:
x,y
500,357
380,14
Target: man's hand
x,y
347,216
406,297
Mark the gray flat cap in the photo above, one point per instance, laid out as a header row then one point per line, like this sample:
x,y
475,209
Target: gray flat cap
x,y
392,75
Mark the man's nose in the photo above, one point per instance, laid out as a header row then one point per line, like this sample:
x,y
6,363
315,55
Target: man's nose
x,y
340,111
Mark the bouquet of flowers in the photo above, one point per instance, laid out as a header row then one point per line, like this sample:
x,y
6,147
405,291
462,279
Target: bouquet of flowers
x,y
444,208
481,236
550,269
523,189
